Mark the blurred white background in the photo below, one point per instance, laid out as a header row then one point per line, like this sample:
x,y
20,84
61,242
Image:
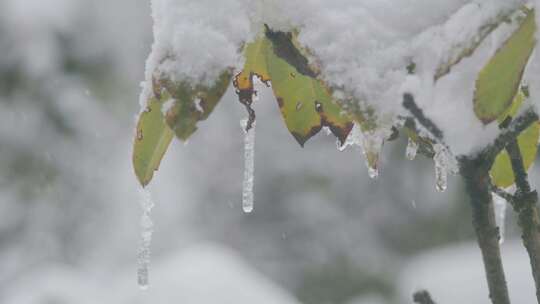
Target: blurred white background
x,y
322,232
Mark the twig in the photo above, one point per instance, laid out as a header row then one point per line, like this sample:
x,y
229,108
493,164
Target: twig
x,y
500,192
422,297
410,104
475,172
477,184
526,207
517,126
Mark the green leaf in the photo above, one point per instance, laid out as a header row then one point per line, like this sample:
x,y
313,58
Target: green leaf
x,y
192,104
513,109
152,140
499,81
501,172
305,102
255,66
469,47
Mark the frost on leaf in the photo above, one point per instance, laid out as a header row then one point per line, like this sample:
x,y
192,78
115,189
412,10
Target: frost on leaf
x,y
152,139
305,102
467,48
500,79
192,103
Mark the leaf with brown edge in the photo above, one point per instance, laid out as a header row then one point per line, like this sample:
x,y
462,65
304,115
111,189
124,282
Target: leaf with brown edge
x,y
499,81
305,102
192,104
152,139
255,66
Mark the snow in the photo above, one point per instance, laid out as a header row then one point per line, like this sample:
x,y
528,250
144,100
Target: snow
x,y
499,206
367,59
195,41
249,166
167,106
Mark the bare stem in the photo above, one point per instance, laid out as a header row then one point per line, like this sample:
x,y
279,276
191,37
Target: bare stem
x,y
487,233
475,172
525,204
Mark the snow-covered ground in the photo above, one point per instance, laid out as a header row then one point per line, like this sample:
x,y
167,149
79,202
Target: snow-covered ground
x,y
455,274
202,274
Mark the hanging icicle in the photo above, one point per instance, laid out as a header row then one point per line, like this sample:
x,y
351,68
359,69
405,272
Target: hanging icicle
x,y
412,149
249,166
445,164
146,226
372,144
354,139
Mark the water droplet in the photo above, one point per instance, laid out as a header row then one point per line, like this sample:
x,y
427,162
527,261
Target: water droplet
x,y
373,172
318,106
198,105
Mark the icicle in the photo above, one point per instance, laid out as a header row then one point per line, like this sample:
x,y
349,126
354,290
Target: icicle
x,y
372,143
249,165
354,139
445,163
499,205
143,256
412,149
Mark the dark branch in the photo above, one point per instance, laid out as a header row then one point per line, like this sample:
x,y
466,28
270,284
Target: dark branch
x,y
424,144
520,173
525,205
517,126
422,297
411,106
